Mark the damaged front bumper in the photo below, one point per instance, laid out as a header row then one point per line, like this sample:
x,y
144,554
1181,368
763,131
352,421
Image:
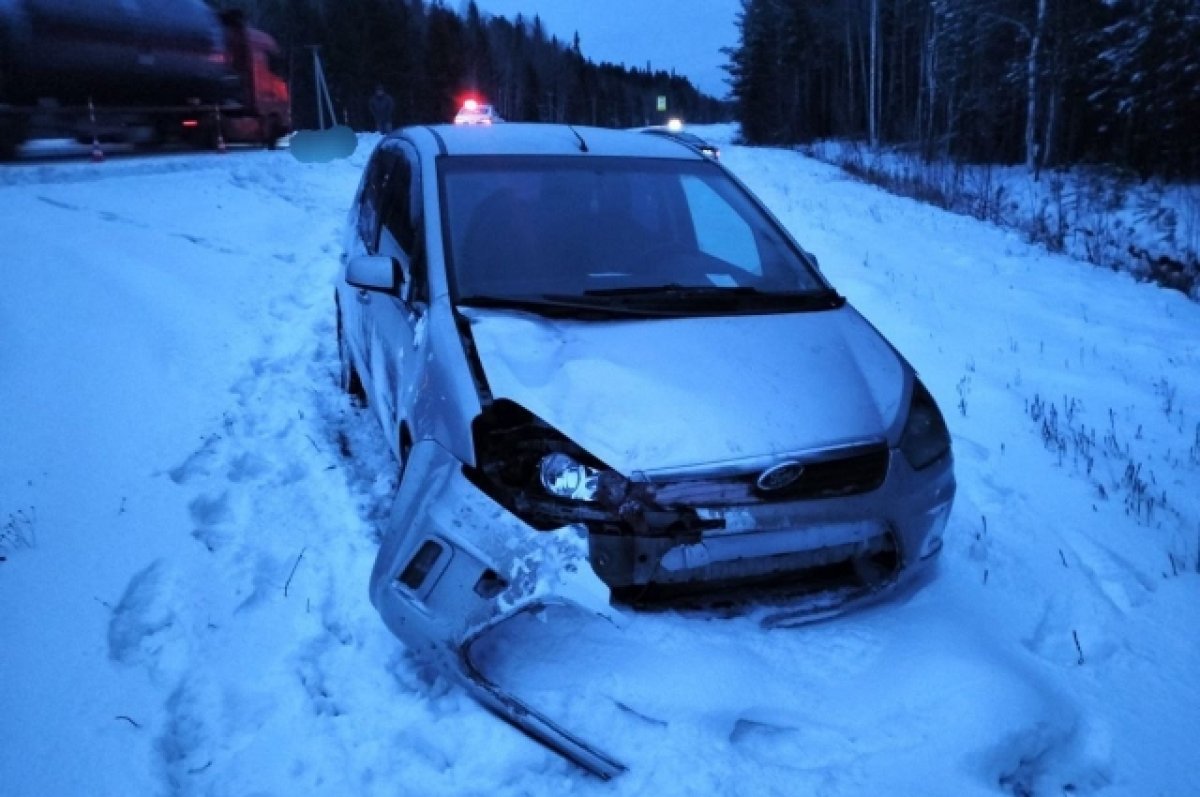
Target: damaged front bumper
x,y
857,546
456,566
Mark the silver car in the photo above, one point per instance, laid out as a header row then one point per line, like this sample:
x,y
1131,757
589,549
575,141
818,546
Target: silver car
x,y
613,381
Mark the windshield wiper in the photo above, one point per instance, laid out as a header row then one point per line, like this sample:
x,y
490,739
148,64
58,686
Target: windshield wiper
x,y
663,301
741,296
675,289
555,306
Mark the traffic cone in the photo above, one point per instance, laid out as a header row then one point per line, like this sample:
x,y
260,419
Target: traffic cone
x,y
220,136
97,153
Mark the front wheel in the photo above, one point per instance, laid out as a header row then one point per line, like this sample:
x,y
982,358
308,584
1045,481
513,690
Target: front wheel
x,y
348,378
404,450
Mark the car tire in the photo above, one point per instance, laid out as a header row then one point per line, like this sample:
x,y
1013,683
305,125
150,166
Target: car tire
x,y
405,449
348,378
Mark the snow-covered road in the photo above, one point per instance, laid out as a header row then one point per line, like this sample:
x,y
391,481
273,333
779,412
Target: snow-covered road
x,y
189,512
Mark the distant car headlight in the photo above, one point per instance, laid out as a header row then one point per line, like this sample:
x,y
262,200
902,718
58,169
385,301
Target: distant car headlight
x,y
926,438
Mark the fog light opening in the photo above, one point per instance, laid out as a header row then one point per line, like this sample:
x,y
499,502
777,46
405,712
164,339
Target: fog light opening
x,y
490,584
421,564
878,566
939,517
932,546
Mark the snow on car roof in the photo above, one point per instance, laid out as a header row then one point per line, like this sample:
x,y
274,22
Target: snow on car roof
x,y
548,139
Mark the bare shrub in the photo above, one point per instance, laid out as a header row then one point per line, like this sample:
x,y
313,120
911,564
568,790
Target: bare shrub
x,y
1108,218
19,530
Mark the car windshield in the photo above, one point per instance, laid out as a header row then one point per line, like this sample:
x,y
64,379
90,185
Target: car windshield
x,y
612,229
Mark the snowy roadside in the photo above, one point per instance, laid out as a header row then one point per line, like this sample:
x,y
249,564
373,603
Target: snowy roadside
x,y
190,614
163,323
1147,227
1074,398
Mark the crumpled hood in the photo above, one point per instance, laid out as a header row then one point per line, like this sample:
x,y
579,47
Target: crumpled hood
x,y
670,395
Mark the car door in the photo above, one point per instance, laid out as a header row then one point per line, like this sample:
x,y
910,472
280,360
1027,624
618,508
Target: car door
x,y
395,319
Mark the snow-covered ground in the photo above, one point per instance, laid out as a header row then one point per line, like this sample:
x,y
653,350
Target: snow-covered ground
x,y
189,512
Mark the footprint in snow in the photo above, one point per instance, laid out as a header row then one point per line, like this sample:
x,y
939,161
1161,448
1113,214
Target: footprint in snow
x,y
1072,633
199,463
1050,757
212,515
145,628
247,466
189,742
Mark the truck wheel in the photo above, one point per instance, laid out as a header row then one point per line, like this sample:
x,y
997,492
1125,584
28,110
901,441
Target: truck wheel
x,y
156,140
201,138
12,135
270,128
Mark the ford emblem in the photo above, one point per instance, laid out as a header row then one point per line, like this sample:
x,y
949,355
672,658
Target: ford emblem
x,y
777,477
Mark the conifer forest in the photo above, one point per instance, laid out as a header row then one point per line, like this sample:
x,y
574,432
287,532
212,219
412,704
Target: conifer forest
x,y
430,56
1046,83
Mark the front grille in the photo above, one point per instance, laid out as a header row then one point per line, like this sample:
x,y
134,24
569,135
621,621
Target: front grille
x,y
850,475
832,474
847,569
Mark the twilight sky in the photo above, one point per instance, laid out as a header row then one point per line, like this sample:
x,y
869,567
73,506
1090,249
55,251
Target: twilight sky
x,y
684,35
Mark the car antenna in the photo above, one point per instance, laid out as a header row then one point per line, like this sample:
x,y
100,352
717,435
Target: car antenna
x,y
582,144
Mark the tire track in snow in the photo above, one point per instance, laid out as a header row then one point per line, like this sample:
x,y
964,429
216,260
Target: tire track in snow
x,y
216,633
273,509
271,691
69,172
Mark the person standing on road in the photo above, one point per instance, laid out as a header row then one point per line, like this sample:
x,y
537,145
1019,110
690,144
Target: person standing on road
x,y
382,106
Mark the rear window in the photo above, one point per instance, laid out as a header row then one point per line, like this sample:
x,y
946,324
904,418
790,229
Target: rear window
x,y
524,226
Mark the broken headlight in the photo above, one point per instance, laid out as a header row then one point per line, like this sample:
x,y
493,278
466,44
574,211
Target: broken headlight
x,y
534,471
926,438
565,477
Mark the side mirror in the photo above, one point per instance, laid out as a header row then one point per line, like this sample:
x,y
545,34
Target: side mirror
x,y
375,273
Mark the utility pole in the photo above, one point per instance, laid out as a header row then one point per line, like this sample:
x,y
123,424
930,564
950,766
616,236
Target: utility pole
x,y
324,101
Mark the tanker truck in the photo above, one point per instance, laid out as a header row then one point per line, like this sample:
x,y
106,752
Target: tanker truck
x,y
143,72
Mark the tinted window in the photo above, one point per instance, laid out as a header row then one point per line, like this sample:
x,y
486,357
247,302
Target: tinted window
x,y
374,191
403,221
520,226
397,210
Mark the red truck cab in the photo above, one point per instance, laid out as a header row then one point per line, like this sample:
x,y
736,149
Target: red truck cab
x,y
263,109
